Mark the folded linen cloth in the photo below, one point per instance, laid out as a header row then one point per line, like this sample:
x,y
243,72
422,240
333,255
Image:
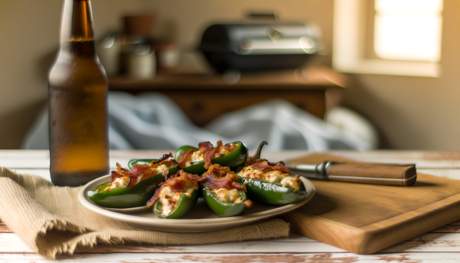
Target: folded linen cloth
x,y
153,121
52,221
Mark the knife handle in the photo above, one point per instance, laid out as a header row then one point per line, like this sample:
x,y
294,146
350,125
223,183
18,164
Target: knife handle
x,y
372,173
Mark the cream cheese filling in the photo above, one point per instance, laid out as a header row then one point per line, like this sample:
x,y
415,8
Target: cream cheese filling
x,y
275,176
169,199
195,157
227,196
124,180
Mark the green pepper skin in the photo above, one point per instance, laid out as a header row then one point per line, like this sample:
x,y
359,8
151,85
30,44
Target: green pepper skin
x,y
232,160
197,168
125,197
184,205
133,162
223,209
272,193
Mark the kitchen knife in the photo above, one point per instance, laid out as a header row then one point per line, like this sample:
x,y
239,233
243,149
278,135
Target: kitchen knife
x,y
368,173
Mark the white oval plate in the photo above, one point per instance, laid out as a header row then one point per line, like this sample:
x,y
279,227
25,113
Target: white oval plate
x,y
200,219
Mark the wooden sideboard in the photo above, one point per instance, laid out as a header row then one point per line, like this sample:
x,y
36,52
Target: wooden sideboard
x,y
205,97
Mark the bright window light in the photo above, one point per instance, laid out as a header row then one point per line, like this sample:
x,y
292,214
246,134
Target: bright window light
x,y
408,29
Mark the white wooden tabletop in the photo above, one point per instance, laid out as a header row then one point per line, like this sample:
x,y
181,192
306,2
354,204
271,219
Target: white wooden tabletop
x,y
440,245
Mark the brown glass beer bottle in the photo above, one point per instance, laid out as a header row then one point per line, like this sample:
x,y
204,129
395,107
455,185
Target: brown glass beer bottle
x,y
77,99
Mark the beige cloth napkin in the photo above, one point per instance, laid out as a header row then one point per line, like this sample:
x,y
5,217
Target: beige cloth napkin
x,y
52,221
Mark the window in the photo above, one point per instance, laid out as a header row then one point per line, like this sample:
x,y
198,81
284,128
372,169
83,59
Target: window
x,y
397,37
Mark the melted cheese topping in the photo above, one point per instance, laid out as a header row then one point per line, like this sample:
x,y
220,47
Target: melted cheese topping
x,y
227,196
197,156
275,176
161,169
291,181
124,180
169,199
118,182
193,158
226,149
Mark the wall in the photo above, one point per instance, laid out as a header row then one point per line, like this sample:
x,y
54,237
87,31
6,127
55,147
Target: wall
x,y
411,113
416,112
30,37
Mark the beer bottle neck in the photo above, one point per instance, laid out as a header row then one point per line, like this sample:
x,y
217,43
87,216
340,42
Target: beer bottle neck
x,y
77,26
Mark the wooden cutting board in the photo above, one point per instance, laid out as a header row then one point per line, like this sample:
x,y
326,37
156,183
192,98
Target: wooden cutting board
x,y
365,218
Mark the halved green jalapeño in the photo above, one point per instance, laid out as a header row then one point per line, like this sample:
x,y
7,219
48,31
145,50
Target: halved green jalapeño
x,y
272,193
224,209
126,196
223,192
176,196
233,159
183,206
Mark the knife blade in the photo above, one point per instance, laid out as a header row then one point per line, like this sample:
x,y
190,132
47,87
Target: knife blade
x,y
367,173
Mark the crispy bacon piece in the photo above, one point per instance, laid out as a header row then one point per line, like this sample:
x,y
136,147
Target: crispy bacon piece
x,y
211,153
220,149
144,170
133,174
177,182
115,175
208,156
260,165
223,182
183,158
266,166
221,177
208,151
203,147
217,170
162,159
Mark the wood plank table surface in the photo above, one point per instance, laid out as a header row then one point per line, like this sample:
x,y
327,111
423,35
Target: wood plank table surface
x,y
439,245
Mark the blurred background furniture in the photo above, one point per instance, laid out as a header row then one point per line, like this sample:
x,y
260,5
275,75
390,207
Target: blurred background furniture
x,y
203,97
285,108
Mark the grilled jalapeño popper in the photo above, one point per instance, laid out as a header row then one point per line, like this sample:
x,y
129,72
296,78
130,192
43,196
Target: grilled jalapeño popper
x,y
176,196
269,182
198,160
133,187
223,192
